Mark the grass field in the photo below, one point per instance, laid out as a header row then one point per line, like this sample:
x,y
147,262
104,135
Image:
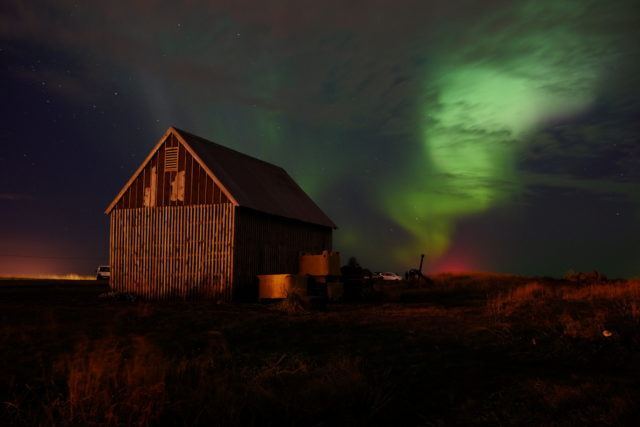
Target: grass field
x,y
481,349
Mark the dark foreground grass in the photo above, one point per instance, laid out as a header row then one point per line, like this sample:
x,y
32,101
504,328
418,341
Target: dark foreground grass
x,y
482,349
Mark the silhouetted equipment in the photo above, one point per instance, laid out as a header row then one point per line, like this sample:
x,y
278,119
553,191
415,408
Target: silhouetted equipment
x,y
279,286
355,279
323,270
416,275
198,219
318,277
320,265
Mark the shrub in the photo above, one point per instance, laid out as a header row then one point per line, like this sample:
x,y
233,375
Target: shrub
x,y
584,278
512,301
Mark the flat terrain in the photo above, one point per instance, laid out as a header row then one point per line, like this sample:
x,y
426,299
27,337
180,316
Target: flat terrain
x,y
484,349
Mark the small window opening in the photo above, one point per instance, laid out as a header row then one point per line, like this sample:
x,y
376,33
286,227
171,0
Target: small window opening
x,y
171,159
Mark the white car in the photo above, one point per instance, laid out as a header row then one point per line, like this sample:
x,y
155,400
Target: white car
x,y
103,272
390,276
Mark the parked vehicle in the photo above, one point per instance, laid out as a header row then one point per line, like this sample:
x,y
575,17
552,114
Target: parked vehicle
x,y
390,276
368,275
103,272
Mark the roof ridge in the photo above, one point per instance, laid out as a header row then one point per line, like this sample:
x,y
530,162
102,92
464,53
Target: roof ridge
x,y
208,141
255,183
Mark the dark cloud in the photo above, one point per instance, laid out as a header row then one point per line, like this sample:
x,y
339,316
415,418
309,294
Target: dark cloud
x,y
600,145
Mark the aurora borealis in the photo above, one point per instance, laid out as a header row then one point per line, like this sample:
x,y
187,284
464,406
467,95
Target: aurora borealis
x,y
489,135
482,113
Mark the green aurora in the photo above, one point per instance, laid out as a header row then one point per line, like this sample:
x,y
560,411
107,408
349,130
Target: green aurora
x,y
499,135
478,115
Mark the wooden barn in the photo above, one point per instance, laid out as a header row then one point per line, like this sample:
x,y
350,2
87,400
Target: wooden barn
x,y
198,219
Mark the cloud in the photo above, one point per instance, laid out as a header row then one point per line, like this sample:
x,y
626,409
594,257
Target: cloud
x,y
600,145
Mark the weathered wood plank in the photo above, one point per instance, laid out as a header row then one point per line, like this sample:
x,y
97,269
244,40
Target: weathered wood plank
x,y
170,251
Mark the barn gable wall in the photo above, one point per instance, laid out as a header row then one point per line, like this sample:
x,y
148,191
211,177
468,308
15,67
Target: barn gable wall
x,y
266,244
187,185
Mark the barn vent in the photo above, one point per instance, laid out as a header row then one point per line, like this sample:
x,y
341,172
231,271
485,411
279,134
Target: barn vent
x,y
171,159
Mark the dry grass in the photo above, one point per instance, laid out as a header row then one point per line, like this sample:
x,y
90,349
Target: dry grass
x,y
103,383
588,311
111,383
292,304
531,295
627,291
489,350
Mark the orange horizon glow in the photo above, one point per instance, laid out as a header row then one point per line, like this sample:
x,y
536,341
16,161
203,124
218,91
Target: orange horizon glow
x,y
456,261
68,276
29,258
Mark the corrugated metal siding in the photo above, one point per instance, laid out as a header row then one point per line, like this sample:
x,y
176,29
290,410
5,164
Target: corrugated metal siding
x,y
173,251
266,244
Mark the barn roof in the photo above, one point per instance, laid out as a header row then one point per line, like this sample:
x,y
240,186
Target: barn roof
x,y
250,182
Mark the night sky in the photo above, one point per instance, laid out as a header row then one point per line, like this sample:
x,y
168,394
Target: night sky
x,y
489,135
